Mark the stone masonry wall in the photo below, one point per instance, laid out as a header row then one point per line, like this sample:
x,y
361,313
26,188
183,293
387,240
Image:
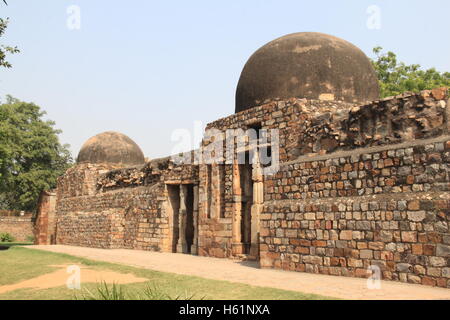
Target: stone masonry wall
x,y
309,128
118,208
313,127
21,228
357,186
130,218
340,214
215,211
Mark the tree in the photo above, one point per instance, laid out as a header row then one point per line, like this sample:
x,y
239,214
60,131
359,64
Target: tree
x,y
4,50
397,77
31,156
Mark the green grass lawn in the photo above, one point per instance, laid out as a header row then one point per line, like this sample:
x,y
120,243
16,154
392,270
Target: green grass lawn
x,y
12,244
19,263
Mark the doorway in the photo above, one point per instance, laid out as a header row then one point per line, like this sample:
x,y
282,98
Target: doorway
x,y
189,227
181,201
174,203
245,173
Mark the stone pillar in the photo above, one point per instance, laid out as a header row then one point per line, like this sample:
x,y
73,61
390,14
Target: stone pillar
x,y
45,222
194,246
182,245
237,246
258,200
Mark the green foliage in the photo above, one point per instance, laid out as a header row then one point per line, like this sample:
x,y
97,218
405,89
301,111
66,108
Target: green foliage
x,y
103,292
6,237
4,50
116,292
30,238
396,77
31,157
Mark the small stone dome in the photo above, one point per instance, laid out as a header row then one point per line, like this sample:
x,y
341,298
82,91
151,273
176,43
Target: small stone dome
x,y
307,65
111,148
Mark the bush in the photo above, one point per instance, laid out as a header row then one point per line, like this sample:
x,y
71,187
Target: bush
x,y
6,237
116,292
30,238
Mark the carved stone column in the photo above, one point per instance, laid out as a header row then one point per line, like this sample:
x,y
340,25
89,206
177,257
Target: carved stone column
x,y
258,200
237,246
194,246
182,244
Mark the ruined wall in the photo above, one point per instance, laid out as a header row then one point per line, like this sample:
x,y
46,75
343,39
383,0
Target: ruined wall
x,y
45,220
357,186
115,219
389,208
215,211
313,127
385,204
217,199
21,228
117,208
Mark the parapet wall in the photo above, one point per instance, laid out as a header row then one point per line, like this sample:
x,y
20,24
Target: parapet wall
x,y
313,127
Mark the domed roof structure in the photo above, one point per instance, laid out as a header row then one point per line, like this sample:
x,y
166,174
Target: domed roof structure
x,y
111,148
307,65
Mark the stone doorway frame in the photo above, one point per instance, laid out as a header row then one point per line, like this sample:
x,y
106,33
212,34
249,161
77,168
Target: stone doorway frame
x,y
257,184
182,200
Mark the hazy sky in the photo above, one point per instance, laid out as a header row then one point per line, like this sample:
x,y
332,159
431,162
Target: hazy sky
x,y
146,68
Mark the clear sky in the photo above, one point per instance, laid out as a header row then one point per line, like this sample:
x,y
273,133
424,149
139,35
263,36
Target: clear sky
x,y
146,68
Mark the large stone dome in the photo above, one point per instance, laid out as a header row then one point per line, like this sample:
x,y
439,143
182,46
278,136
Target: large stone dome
x,y
307,65
111,148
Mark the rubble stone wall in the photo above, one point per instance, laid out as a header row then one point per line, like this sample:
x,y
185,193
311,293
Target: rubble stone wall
x,y
215,211
341,213
118,208
357,186
20,228
312,128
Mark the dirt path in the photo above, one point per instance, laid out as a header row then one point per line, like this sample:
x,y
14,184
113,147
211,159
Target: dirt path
x,y
234,271
60,277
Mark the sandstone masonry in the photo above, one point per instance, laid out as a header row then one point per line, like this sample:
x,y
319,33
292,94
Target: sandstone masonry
x,y
356,186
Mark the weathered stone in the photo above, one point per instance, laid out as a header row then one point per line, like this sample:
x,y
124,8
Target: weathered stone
x,y
443,250
363,225
446,272
409,236
438,262
366,254
346,235
403,267
416,216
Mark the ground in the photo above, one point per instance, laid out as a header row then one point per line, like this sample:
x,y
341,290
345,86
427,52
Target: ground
x,y
36,274
203,277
